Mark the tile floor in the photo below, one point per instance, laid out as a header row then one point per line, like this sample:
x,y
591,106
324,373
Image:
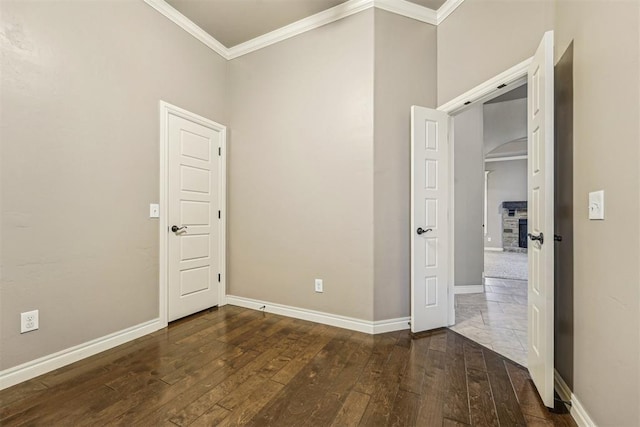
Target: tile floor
x,y
497,318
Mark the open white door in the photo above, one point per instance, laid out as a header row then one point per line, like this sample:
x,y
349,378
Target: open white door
x,y
540,213
429,219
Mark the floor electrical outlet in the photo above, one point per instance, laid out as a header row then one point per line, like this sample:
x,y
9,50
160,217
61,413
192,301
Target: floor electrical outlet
x,y
28,321
319,285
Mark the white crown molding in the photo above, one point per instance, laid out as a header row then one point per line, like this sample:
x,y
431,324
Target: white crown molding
x,y
377,327
576,409
350,7
307,24
447,9
408,9
189,26
34,368
488,88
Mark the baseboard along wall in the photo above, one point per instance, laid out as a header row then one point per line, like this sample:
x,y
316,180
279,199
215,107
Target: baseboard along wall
x,y
368,327
34,368
576,409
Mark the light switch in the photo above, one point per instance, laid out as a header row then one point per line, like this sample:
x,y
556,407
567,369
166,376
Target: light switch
x,y
154,210
596,205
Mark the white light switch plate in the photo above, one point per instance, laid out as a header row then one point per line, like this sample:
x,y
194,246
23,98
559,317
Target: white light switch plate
x,y
154,210
596,205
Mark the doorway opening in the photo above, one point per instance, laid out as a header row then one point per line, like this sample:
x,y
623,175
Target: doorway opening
x,y
490,263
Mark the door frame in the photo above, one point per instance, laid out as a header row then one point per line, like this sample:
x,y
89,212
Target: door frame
x,y
166,110
483,92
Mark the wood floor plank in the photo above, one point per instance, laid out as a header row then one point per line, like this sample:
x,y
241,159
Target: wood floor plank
x,y
438,341
213,417
448,422
352,410
88,380
337,392
384,392
456,400
23,390
296,403
165,406
481,406
416,365
405,410
216,330
381,351
212,397
507,407
234,366
269,326
473,356
252,405
288,372
528,399
432,394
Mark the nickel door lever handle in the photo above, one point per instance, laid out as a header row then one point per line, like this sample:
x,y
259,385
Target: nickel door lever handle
x,y
175,228
421,231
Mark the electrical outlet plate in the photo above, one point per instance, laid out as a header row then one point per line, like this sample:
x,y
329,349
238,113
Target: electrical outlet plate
x,y
318,285
29,321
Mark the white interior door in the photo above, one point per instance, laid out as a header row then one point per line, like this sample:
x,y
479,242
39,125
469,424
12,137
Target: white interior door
x,y
540,213
194,202
429,219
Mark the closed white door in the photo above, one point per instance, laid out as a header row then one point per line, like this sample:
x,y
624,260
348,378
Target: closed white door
x,y
540,223
193,253
429,219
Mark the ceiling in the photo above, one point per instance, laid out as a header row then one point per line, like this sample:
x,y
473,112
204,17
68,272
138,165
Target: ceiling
x,y
232,22
517,93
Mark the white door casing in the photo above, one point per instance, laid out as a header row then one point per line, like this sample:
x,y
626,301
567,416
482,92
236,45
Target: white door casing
x,y
541,219
192,196
430,237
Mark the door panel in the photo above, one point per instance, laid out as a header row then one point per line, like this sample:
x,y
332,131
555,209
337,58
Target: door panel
x,y
541,218
193,252
429,205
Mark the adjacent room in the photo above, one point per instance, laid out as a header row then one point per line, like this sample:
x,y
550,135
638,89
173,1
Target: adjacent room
x,y
491,207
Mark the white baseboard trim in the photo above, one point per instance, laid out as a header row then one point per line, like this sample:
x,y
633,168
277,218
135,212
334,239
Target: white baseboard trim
x,y
377,327
34,368
490,249
468,289
576,409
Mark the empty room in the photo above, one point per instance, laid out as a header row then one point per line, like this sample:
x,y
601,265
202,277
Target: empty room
x,y
246,212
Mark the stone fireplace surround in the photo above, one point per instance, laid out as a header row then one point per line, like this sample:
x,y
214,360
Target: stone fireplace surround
x,y
512,212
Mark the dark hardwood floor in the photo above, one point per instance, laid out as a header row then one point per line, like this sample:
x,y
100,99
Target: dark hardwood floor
x,y
234,366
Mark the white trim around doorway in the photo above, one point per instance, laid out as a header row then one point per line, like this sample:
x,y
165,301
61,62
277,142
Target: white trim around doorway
x,y
495,86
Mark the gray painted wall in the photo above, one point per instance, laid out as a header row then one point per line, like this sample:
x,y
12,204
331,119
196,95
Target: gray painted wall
x,y
485,38
404,52
606,155
80,87
300,202
468,197
507,182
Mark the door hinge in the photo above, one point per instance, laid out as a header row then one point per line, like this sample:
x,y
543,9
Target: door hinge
x,y
219,151
219,215
219,277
